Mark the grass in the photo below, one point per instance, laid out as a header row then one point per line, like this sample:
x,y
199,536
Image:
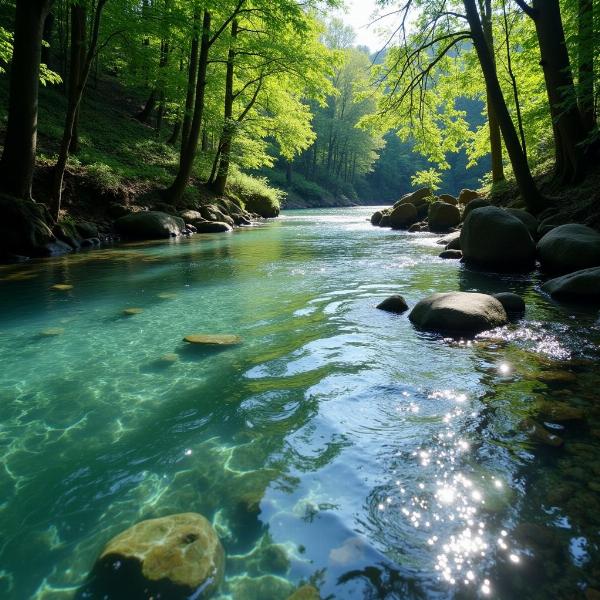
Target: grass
x,y
119,157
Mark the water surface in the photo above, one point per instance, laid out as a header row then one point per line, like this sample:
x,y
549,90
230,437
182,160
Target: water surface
x,y
386,462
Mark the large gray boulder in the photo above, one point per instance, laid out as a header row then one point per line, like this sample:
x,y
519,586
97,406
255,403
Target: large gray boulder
x,y
527,219
491,237
443,216
175,557
25,229
149,225
568,248
376,217
449,199
403,216
417,198
581,285
458,312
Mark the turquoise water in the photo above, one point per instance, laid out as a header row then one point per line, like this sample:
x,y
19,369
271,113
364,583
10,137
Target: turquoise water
x,y
385,462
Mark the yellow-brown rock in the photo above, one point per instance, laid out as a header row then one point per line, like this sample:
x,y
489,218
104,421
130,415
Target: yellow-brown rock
x,y
306,592
129,312
61,287
180,553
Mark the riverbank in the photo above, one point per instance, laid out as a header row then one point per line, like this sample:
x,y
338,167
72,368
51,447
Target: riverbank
x,y
121,166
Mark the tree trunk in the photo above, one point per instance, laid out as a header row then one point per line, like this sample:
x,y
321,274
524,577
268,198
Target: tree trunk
x,y
78,21
144,115
47,47
494,127
188,153
527,187
560,88
18,157
176,129
191,86
72,109
585,41
220,180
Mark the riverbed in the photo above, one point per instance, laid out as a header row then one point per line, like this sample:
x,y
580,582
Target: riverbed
x,y
382,462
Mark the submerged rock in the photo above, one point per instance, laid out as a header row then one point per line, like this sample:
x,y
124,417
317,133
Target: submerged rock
x,y
394,304
129,312
175,557
583,286
559,412
212,339
459,312
52,332
149,225
443,216
306,592
538,433
493,238
569,248
261,588
513,303
61,287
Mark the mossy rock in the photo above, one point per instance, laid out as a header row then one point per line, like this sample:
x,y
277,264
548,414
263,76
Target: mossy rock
x,y
306,592
175,557
149,225
264,206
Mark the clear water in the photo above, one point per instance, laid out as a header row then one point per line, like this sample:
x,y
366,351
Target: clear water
x,y
387,463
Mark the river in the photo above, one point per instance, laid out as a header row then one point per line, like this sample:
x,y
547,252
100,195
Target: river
x,y
387,462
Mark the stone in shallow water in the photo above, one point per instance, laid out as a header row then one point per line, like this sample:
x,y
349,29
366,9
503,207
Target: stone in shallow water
x,y
394,304
129,312
169,358
212,339
61,287
175,557
261,588
167,295
451,254
306,592
513,303
559,412
458,312
540,434
581,286
52,332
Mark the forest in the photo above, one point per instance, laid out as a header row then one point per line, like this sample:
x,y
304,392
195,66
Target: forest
x,y
299,299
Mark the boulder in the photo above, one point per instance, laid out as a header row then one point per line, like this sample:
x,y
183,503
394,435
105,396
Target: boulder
x,y
67,232
465,196
376,217
175,557
386,220
451,254
493,238
25,228
403,216
569,248
191,216
473,204
459,312
212,227
86,229
537,433
454,244
513,303
394,304
549,221
449,199
448,239
264,206
527,219
443,216
417,198
420,226
583,286
149,225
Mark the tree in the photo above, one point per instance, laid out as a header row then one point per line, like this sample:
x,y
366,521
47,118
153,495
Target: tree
x,y
18,158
